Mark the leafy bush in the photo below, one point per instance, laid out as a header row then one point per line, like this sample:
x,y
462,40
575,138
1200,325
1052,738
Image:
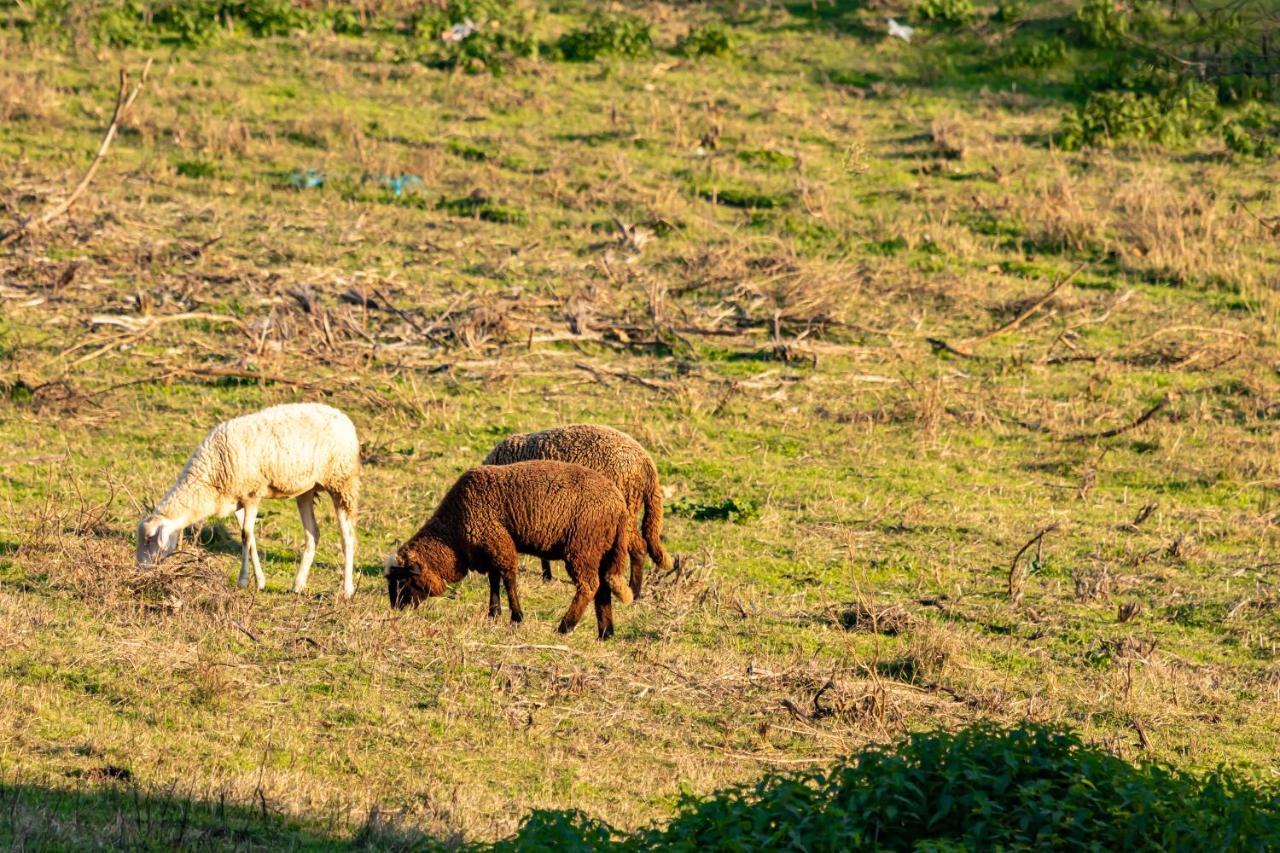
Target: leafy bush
x,y
489,35
606,35
982,788
1009,12
201,21
1176,116
950,13
705,41
1249,135
1102,23
345,22
143,23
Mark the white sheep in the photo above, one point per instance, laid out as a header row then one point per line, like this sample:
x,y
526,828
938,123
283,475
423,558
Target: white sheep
x,y
289,451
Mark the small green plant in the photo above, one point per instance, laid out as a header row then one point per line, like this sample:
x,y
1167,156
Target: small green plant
x,y
197,169
606,35
467,151
478,206
766,158
742,197
948,13
710,40
728,509
1037,54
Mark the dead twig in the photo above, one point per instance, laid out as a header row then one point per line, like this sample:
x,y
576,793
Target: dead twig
x,y
1143,740
1029,310
939,345
1120,430
124,101
1018,579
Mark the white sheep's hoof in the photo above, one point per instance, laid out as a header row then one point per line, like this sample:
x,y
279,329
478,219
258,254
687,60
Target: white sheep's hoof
x,y
298,587
348,592
242,581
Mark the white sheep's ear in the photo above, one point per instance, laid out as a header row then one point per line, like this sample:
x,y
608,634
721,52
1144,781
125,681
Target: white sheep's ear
x,y
170,536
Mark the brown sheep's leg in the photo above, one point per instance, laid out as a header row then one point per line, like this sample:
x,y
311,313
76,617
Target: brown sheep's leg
x,y
604,612
504,565
637,566
587,583
513,597
546,570
495,603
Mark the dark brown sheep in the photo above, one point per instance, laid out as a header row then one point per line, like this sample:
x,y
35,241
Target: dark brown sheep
x,y
614,454
553,510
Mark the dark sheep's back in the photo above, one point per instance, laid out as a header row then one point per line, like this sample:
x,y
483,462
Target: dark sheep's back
x,y
540,503
608,451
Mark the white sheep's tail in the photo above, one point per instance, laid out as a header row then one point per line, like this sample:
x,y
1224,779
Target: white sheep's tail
x,y
613,569
652,524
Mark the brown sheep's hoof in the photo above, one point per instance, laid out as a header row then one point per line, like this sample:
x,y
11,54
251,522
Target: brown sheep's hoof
x,y
563,628
605,632
517,615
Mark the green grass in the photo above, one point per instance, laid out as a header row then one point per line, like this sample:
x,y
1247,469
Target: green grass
x,y
770,349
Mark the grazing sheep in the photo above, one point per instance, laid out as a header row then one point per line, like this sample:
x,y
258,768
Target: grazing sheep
x,y
616,455
289,451
554,510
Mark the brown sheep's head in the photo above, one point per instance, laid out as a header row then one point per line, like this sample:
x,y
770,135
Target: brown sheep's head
x,y
418,571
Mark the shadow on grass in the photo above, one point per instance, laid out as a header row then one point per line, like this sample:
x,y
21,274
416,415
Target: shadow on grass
x,y
112,812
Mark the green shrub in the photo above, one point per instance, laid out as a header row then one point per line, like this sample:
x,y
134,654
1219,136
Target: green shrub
x,y
1009,12
705,41
606,35
1177,116
1102,23
949,13
1245,137
982,788
1037,54
500,36
345,22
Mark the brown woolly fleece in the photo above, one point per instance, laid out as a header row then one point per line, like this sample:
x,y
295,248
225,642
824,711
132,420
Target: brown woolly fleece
x,y
614,454
553,510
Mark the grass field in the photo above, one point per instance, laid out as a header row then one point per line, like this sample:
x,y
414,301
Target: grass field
x,y
876,329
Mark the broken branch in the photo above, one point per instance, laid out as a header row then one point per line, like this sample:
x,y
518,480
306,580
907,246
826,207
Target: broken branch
x,y
124,100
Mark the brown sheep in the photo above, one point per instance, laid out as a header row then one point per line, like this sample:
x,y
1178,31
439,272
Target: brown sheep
x,y
554,510
614,454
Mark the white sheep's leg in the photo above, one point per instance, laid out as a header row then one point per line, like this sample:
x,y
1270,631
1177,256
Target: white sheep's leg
x,y
347,530
243,580
250,553
310,532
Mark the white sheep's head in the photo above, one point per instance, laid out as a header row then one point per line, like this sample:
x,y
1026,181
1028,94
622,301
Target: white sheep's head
x,y
157,537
